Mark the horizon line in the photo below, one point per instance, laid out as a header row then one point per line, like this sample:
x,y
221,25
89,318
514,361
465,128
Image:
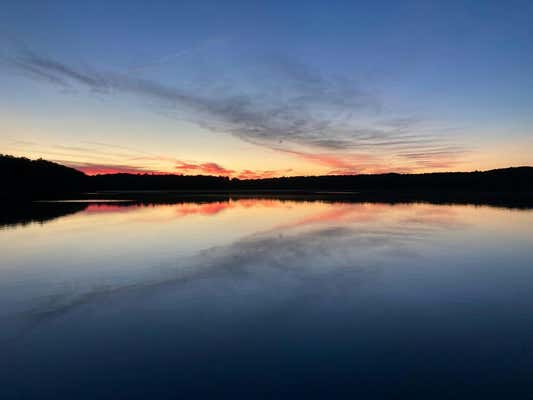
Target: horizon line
x,y
161,173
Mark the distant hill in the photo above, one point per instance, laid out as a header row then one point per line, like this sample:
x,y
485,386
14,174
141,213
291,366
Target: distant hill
x,y
22,177
517,179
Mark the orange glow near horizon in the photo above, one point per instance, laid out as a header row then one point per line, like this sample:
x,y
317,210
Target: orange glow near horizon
x,y
266,163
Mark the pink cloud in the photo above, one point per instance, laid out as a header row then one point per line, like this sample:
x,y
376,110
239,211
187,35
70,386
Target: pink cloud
x,y
209,168
249,174
202,209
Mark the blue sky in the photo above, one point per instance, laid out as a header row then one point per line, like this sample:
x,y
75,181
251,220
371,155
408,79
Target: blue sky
x,y
268,88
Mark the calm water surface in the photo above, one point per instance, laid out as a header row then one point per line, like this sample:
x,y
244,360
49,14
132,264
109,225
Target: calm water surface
x,y
267,299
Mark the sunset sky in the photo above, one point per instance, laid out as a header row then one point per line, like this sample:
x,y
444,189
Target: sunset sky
x,y
268,88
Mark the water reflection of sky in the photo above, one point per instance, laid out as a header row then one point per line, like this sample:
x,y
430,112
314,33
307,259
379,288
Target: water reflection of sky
x,y
112,244
218,265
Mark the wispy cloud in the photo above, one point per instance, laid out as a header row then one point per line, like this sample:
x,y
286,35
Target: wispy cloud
x,y
295,107
96,168
181,167
168,58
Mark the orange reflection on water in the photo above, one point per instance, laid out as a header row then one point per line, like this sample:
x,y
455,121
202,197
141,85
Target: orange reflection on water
x,y
290,214
97,208
201,208
219,206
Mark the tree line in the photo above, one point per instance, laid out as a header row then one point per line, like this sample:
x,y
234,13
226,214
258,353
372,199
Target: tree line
x,y
22,177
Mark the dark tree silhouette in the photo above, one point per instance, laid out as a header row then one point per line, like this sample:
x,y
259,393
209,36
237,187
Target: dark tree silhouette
x,y
22,213
24,178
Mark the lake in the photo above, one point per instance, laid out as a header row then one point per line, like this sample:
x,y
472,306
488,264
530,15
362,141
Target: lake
x,y
266,298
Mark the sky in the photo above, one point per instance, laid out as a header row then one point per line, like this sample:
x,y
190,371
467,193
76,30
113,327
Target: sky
x,y
254,89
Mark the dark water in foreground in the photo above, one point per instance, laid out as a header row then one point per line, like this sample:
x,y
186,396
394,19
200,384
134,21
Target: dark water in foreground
x,y
267,299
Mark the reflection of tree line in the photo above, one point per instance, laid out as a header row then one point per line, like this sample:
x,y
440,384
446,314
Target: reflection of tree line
x,y
26,213
13,214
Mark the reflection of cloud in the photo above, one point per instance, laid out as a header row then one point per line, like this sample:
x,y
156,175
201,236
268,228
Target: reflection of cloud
x,y
321,250
205,208
339,213
345,237
434,216
101,208
181,210
202,209
259,259
331,247
401,217
340,246
213,208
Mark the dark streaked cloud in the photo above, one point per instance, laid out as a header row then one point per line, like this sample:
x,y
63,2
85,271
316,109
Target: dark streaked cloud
x,y
293,106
